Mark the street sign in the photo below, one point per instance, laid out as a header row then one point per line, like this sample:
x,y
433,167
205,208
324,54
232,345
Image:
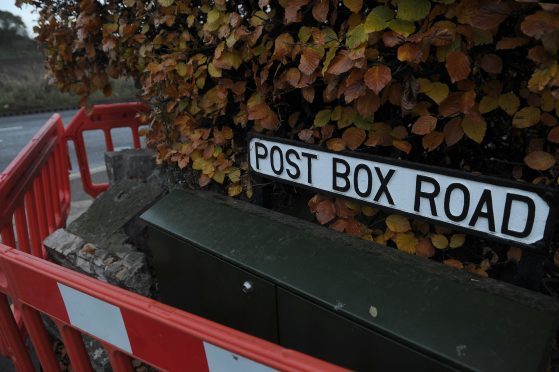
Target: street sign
x,y
494,208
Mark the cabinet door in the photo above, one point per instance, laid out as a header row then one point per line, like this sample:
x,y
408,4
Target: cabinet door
x,y
198,282
311,329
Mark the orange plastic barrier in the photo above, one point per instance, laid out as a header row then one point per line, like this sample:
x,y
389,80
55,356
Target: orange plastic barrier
x,y
127,324
105,118
35,200
35,190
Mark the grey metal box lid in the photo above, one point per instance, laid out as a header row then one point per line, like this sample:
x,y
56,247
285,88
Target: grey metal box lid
x,y
470,320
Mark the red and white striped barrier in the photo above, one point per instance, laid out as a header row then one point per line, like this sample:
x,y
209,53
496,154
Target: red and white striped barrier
x,y
134,326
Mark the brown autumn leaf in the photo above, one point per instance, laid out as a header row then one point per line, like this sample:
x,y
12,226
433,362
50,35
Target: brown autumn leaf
x,y
325,211
424,248
553,135
409,52
259,111
549,120
401,145
491,63
432,140
424,125
514,254
282,46
540,160
340,64
305,135
453,132
379,135
399,132
326,132
490,14
368,104
457,103
293,76
454,263
377,77
339,225
492,88
511,43
292,8
355,228
539,24
336,144
308,94
314,201
398,223
271,121
457,65
320,10
310,59
354,137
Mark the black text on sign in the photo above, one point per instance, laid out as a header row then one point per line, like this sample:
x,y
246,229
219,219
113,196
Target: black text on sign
x,y
495,209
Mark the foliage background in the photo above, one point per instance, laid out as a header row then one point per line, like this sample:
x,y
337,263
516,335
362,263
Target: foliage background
x,y
24,84
470,85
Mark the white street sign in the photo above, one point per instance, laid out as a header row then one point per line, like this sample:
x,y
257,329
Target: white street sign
x,y
494,208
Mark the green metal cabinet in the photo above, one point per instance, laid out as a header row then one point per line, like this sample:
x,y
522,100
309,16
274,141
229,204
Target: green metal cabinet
x,y
203,284
345,300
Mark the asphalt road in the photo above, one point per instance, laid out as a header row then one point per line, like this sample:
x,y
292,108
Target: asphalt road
x,y
16,131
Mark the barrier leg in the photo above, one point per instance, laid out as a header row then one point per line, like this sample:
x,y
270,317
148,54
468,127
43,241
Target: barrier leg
x,y
40,209
34,230
7,234
40,338
47,197
22,230
10,331
76,350
119,361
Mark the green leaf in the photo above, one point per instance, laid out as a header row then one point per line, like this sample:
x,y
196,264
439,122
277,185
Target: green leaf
x,y
356,36
329,57
405,28
378,19
322,118
353,5
213,15
181,69
361,122
413,10
165,2
304,34
110,27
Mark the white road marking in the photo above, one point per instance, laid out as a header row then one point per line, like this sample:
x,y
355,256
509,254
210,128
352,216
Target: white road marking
x,y
7,129
1,141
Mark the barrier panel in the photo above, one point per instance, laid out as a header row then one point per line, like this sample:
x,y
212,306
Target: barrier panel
x,y
128,325
34,201
104,118
35,190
